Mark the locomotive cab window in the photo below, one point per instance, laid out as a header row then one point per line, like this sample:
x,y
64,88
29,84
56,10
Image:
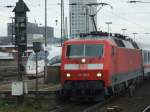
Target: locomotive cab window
x,y
75,50
84,50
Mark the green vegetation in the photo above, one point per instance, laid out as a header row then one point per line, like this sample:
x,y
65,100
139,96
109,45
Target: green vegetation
x,y
30,105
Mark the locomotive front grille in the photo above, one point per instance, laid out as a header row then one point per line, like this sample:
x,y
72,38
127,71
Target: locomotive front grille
x,y
74,85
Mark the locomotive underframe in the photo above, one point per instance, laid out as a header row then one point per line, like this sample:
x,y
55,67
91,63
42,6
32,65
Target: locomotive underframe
x,y
83,90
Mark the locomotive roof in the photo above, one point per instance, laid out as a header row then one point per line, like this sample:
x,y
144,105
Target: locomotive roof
x,y
111,40
114,39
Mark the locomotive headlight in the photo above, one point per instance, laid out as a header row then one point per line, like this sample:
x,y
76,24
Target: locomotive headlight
x,y
83,60
99,74
68,75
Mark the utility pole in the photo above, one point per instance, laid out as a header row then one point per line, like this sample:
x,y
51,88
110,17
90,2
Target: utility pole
x,y
87,20
12,30
108,23
86,16
45,68
37,48
134,35
123,31
62,21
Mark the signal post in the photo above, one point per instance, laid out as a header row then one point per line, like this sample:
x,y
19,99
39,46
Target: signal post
x,y
20,40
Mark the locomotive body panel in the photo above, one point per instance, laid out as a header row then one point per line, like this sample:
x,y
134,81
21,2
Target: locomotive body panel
x,y
108,66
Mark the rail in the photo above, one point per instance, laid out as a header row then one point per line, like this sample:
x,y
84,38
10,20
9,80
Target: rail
x,y
147,109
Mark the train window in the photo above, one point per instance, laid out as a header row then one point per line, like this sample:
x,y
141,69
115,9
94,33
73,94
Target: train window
x,y
55,60
135,45
145,57
85,50
119,43
94,50
75,50
149,57
41,56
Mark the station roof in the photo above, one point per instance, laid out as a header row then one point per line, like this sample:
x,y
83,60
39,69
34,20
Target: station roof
x,y
5,56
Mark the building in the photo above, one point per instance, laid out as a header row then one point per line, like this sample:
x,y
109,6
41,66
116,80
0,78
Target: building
x,y
80,21
5,40
34,32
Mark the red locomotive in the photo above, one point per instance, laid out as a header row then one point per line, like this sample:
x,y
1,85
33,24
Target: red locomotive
x,y
103,65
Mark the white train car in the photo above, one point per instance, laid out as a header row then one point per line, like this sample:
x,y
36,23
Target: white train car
x,y
53,58
146,58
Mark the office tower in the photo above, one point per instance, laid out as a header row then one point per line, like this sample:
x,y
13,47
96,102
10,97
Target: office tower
x,y
80,21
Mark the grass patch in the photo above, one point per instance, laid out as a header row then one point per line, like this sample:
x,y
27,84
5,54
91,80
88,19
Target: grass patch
x,y
30,105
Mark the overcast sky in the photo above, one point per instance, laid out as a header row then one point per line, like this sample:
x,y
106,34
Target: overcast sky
x,y
133,17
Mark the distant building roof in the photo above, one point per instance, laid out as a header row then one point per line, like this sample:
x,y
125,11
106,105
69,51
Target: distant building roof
x,y
5,56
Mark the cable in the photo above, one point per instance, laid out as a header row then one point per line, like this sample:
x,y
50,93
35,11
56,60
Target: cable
x,y
125,19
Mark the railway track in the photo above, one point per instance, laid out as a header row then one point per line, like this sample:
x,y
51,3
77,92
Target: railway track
x,y
147,109
82,106
96,107
72,107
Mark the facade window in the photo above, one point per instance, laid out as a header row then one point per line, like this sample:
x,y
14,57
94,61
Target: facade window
x,y
77,19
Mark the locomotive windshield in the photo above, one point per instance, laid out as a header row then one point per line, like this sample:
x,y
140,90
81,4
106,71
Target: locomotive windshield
x,y
84,50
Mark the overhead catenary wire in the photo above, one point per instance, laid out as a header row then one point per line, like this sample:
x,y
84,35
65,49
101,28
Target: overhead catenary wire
x,y
127,20
37,4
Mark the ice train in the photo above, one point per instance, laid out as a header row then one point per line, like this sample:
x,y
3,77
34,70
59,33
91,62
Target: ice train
x,y
53,58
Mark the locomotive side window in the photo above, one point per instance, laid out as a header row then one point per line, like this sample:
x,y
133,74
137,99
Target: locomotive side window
x,y
135,45
119,43
84,50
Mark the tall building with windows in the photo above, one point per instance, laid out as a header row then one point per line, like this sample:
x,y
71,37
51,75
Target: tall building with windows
x,y
34,32
80,21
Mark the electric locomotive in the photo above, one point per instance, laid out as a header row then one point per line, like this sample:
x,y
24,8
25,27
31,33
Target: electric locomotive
x,y
99,65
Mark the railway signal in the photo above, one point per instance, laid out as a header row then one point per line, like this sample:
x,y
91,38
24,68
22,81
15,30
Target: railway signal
x,y
20,39
21,25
